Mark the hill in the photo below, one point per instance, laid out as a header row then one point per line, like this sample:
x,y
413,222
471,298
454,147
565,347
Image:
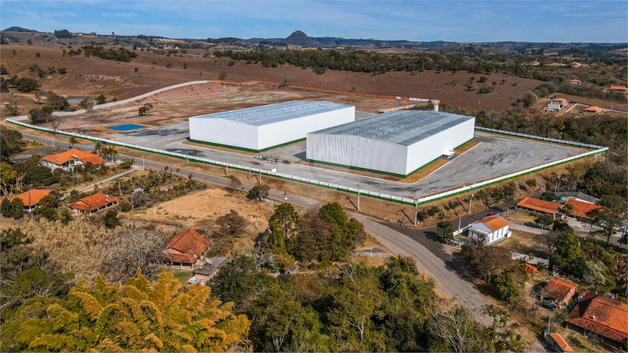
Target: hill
x,y
19,29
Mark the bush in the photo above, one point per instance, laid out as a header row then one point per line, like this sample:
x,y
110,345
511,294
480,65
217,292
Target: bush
x,y
111,219
258,192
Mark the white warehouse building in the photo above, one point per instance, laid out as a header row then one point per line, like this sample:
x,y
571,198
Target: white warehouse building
x,y
262,128
397,143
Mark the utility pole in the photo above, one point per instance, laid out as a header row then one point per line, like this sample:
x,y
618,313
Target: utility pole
x,y
416,208
459,224
358,197
471,199
227,166
285,196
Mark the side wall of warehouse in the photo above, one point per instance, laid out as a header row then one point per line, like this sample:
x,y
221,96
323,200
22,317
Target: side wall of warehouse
x,y
286,131
224,132
433,147
357,152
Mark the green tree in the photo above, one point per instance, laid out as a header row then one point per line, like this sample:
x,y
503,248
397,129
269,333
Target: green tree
x,y
283,224
111,219
609,218
17,208
145,109
567,255
26,84
38,116
65,216
238,280
544,220
258,192
47,207
101,99
445,230
594,273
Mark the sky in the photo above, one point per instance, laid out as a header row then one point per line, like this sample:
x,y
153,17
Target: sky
x,y
460,21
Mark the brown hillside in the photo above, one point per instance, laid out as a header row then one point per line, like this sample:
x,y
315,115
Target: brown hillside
x,y
93,76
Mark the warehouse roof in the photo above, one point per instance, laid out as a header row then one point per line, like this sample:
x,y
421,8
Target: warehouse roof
x,y
404,127
273,113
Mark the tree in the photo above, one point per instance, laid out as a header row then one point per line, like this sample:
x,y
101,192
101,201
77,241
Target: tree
x,y
39,116
609,217
231,224
568,208
445,230
47,207
72,140
134,317
56,101
234,184
594,273
87,104
145,109
258,192
65,216
222,75
101,99
111,219
487,261
544,220
238,280
17,208
567,255
26,84
29,41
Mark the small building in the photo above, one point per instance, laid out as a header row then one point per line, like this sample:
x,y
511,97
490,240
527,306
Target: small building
x,y
490,230
558,343
557,104
532,204
600,316
582,208
70,158
574,82
559,291
184,248
92,204
31,198
207,270
576,64
593,110
620,89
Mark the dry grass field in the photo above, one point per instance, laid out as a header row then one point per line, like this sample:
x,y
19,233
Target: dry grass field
x,y
91,76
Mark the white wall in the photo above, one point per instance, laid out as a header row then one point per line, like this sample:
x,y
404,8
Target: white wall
x,y
356,151
231,133
362,152
435,146
295,129
224,132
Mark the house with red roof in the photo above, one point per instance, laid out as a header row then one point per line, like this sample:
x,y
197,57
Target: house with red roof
x,y
601,317
31,198
620,89
489,230
557,104
559,291
558,343
92,204
70,158
593,110
574,81
184,248
536,205
582,208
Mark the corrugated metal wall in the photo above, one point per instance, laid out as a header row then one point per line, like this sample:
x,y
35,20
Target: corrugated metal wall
x,y
358,152
367,153
231,133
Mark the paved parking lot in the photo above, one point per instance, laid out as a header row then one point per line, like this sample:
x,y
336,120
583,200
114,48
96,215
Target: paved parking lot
x,y
495,155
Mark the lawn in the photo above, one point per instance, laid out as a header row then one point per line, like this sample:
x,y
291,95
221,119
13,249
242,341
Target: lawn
x,y
183,276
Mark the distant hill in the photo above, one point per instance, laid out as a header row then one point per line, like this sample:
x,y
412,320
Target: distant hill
x,y
19,29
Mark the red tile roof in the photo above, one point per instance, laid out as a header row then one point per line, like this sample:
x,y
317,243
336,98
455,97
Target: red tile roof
x,y
32,197
618,88
185,247
581,208
593,109
603,315
494,222
72,154
560,341
575,81
560,289
93,202
530,268
539,205
559,100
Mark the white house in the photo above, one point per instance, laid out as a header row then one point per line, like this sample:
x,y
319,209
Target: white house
x,y
490,230
557,104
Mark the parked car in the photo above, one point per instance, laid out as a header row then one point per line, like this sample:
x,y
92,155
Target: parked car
x,y
286,162
548,305
257,156
276,160
264,158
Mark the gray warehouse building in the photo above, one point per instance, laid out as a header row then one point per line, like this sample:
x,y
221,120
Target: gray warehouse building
x,y
397,143
262,128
